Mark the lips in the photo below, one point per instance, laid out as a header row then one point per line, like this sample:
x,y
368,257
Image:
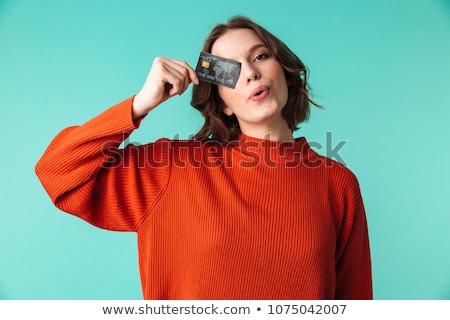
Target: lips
x,y
259,93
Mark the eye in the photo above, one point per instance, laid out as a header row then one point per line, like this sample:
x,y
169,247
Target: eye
x,y
261,56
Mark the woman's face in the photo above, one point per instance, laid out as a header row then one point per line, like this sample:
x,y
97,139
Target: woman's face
x,y
261,91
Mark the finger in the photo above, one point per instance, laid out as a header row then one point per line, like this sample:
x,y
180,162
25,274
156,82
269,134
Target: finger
x,y
192,75
175,72
177,80
166,71
179,71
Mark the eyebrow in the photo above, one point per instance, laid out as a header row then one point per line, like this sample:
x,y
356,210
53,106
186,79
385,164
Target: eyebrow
x,y
257,46
251,49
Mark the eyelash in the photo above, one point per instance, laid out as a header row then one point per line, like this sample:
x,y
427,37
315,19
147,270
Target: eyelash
x,y
261,56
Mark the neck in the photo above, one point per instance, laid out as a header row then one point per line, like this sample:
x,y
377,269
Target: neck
x,y
275,132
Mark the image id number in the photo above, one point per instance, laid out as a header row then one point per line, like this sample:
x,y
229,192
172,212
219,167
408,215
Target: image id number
x,y
306,309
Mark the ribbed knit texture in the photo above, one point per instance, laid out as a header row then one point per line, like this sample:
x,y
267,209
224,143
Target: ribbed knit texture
x,y
251,220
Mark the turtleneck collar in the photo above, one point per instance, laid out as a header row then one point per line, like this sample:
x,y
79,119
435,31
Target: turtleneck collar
x,y
275,152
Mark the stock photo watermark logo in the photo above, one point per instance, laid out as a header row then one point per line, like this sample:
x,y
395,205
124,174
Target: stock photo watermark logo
x,y
212,154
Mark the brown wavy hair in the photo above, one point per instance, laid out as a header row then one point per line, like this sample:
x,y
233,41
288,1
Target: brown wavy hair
x,y
205,97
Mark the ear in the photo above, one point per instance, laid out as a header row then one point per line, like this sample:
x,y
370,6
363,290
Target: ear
x,y
227,111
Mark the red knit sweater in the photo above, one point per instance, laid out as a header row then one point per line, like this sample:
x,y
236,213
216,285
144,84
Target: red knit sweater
x,y
252,220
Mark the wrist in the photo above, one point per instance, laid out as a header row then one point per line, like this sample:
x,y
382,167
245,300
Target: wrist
x,y
139,109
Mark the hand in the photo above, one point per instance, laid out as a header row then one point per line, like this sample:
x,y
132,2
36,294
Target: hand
x,y
167,78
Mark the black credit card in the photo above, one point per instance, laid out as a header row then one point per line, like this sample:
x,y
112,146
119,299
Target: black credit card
x,y
218,70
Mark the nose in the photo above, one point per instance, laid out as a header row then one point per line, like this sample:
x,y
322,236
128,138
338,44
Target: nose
x,y
249,72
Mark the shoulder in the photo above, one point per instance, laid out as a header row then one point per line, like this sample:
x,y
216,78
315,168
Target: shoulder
x,y
340,176
344,187
343,174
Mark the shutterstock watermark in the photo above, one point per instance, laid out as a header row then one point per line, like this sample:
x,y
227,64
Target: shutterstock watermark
x,y
331,151
248,153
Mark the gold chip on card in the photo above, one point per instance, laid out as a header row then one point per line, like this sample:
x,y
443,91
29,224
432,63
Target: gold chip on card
x,y
205,64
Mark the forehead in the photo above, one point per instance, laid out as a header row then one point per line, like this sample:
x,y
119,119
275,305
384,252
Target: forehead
x,y
235,43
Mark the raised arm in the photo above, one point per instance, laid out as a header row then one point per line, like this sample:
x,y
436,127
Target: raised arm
x,y
85,173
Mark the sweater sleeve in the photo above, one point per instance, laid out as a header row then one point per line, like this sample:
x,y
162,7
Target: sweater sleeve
x,y
86,174
353,263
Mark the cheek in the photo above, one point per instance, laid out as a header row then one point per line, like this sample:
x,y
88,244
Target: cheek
x,y
282,82
276,72
279,74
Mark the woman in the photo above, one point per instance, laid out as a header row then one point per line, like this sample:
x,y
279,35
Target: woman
x,y
244,211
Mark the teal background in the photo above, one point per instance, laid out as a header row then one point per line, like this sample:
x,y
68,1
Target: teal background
x,y
380,67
